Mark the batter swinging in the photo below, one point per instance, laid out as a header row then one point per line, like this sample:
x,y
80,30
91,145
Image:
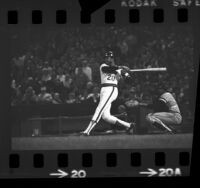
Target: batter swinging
x,y
110,75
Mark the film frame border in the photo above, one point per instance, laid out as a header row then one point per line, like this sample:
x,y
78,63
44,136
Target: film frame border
x,y
192,20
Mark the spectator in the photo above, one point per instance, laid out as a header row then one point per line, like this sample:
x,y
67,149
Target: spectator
x,y
16,94
94,96
68,82
83,96
46,74
85,69
135,95
29,97
81,81
44,97
60,76
132,101
131,105
56,98
71,98
89,87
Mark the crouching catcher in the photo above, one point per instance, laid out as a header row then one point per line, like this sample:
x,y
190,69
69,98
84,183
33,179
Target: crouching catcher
x,y
166,115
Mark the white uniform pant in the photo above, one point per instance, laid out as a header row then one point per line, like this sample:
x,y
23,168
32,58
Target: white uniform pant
x,y
107,95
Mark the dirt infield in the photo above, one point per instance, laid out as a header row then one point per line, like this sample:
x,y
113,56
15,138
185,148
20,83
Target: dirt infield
x,y
71,142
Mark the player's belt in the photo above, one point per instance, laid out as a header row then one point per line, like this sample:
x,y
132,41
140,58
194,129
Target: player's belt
x,y
107,85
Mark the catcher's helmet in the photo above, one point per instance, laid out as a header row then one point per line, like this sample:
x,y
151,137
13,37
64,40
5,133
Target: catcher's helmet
x,y
109,54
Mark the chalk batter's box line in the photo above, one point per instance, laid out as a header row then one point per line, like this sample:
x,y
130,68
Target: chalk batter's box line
x,y
98,163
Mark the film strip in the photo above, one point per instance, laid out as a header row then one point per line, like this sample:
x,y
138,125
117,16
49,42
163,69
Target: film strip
x,y
45,140
61,16
109,17
109,164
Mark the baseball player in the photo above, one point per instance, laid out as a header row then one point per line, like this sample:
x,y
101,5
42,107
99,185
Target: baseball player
x,y
110,74
166,111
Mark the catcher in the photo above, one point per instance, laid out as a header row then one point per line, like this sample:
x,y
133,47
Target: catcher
x,y
166,111
110,74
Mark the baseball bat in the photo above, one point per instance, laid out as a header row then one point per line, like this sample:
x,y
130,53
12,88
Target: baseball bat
x,y
158,69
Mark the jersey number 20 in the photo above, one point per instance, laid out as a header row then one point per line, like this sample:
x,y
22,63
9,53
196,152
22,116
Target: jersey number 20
x,y
111,77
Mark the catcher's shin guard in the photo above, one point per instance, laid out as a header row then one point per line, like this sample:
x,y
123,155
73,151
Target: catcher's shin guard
x,y
159,124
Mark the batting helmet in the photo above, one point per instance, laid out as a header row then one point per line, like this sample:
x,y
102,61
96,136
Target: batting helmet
x,y
109,54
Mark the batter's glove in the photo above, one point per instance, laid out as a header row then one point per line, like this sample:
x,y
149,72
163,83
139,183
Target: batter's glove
x,y
125,68
124,73
126,76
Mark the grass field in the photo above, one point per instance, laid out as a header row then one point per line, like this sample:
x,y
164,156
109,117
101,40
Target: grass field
x,y
118,141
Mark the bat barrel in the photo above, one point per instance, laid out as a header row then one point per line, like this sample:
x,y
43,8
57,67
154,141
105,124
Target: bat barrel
x,y
159,69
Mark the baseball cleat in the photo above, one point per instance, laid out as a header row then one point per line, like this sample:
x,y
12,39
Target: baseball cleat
x,y
130,130
111,131
84,134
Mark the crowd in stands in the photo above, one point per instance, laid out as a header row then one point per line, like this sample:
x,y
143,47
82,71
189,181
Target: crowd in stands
x,y
62,65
